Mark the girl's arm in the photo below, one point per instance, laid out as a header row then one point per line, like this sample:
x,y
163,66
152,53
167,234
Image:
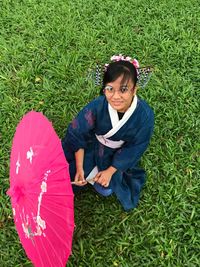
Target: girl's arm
x,y
79,177
79,156
129,154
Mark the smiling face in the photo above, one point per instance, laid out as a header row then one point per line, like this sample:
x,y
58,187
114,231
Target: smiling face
x,y
119,93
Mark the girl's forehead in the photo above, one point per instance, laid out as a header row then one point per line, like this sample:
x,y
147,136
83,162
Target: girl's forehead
x,y
121,80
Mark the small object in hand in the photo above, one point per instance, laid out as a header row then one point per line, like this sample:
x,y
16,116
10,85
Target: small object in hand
x,y
90,180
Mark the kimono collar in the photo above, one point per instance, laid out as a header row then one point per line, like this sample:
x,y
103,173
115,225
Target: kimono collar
x,y
116,123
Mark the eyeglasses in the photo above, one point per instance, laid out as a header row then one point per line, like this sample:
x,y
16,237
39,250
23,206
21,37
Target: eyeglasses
x,y
123,90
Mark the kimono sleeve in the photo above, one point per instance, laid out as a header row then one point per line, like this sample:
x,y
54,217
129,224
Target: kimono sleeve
x,y
80,130
128,156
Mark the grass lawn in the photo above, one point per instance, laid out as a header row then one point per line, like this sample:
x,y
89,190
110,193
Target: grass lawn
x,y
46,51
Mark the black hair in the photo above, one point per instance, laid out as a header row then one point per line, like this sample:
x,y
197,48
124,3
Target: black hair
x,y
118,68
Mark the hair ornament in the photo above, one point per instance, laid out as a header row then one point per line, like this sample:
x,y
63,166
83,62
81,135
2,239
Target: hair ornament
x,y
119,57
143,73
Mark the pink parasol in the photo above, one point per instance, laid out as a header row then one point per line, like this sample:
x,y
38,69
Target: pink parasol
x,y
41,193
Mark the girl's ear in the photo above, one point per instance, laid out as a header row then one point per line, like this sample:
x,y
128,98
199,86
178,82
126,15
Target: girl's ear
x,y
135,90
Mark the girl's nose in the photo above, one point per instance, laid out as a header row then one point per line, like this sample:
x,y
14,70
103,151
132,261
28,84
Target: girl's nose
x,y
116,93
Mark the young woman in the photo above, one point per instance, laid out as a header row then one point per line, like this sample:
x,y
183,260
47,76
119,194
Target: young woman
x,y
110,134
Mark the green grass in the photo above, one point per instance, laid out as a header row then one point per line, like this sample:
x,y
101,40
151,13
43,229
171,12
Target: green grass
x,y
46,50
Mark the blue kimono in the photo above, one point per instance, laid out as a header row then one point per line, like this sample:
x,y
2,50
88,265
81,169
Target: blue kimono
x,y
94,119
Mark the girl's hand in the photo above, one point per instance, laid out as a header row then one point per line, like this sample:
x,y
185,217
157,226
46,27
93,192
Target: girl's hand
x,y
79,178
105,176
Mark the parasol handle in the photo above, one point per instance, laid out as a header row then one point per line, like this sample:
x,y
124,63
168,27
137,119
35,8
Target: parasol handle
x,y
80,182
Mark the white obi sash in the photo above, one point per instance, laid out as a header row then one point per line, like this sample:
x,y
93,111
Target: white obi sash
x,y
116,125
